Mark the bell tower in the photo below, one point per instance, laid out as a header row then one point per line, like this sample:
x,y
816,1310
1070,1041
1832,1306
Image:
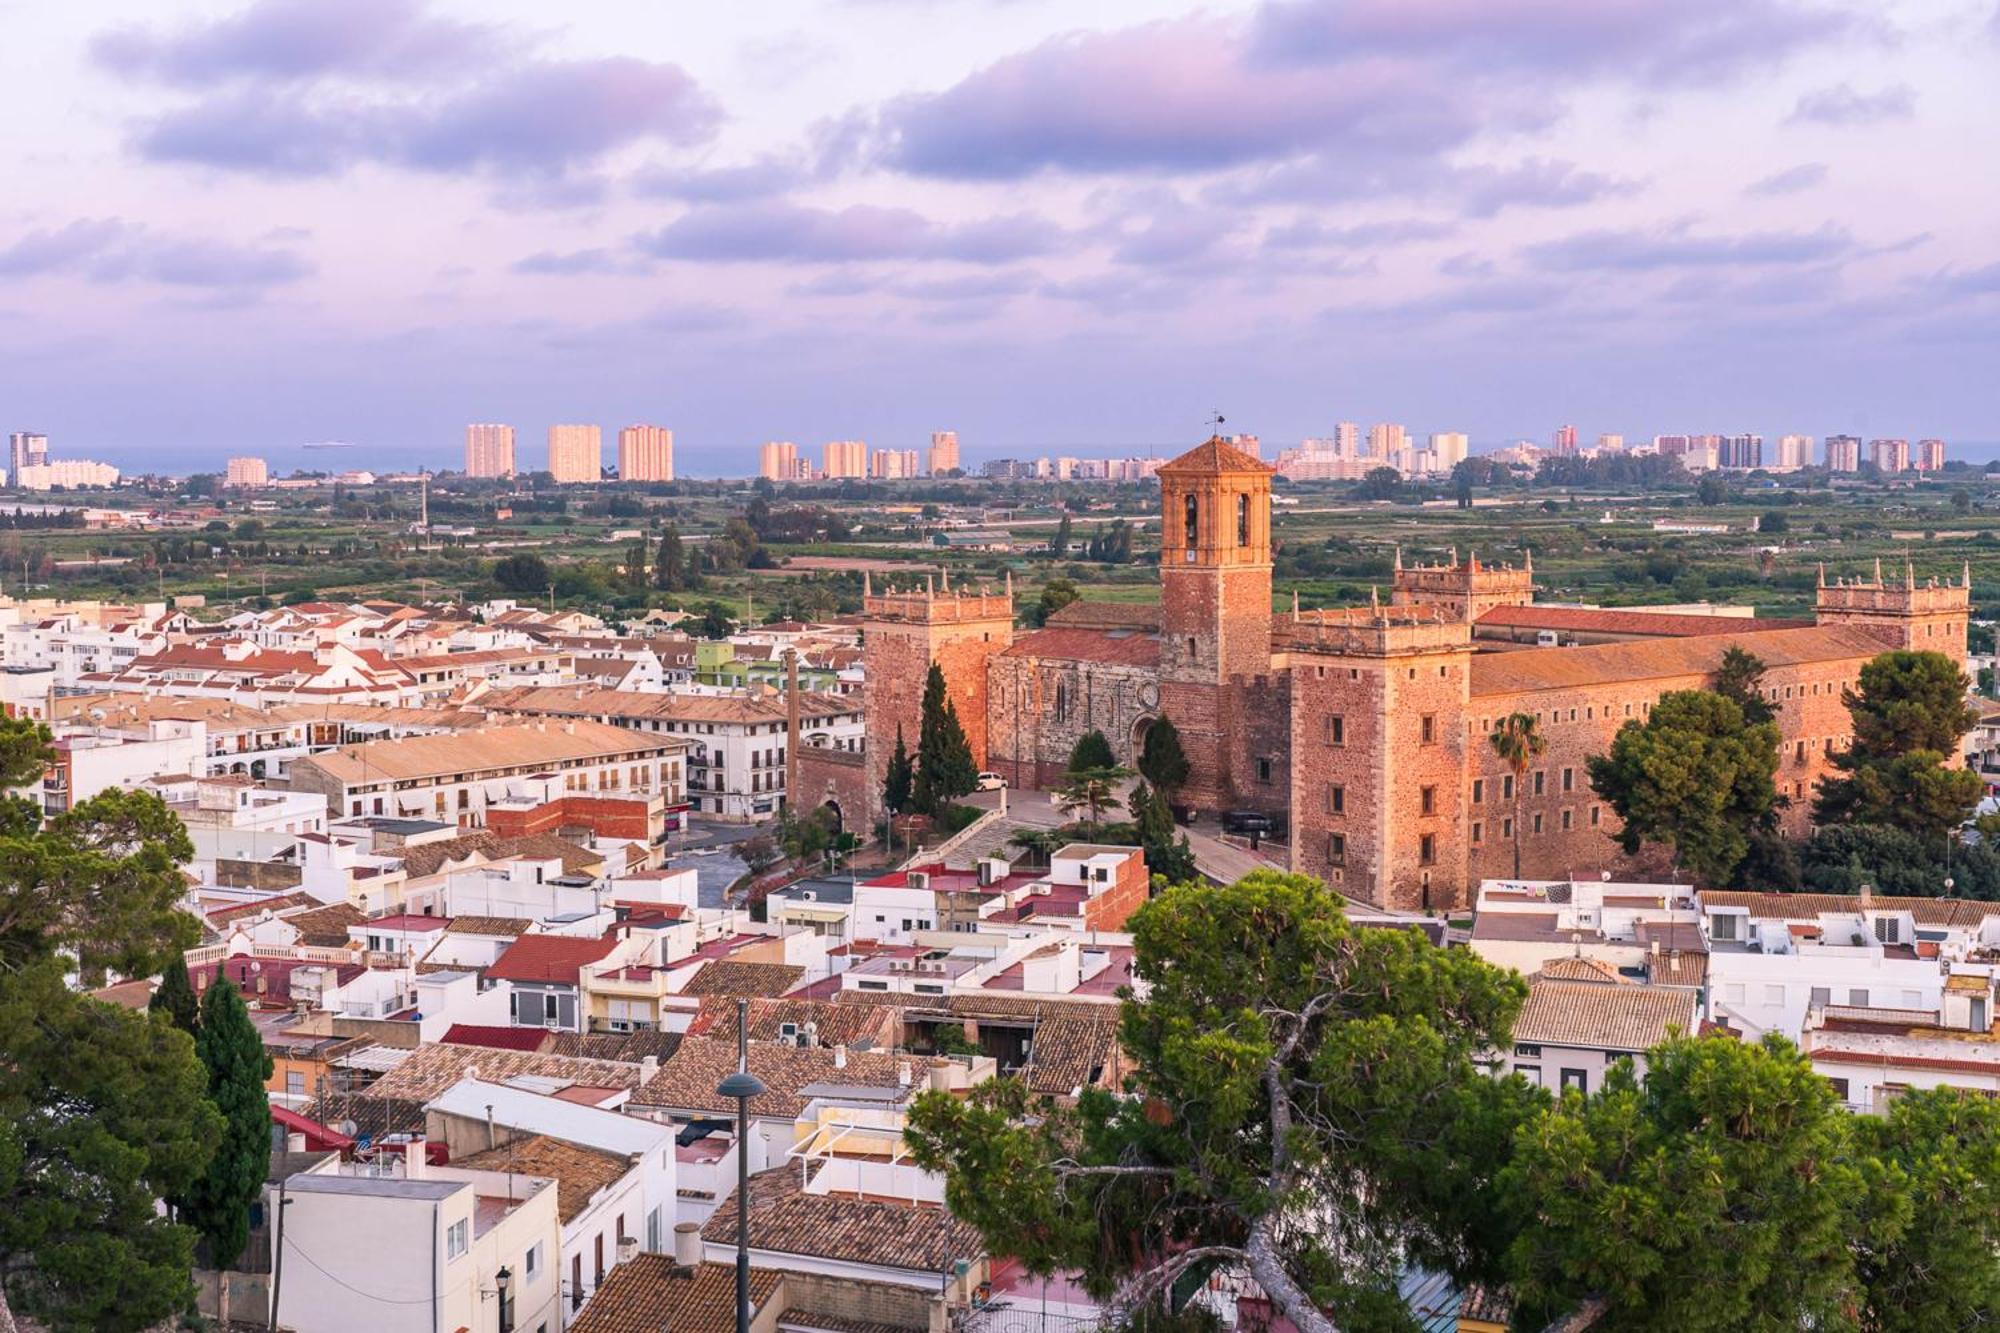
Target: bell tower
x,y
1215,601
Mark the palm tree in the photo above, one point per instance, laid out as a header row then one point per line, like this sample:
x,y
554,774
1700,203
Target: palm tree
x,y
1517,743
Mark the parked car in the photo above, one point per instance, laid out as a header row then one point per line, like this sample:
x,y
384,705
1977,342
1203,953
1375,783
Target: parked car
x,y
991,782
1251,822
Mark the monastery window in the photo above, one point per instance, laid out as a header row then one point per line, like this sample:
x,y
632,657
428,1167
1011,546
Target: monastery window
x,y
1192,648
1507,828
1829,745
1427,800
1336,730
1354,673
1541,776
1507,787
1566,821
1478,833
1589,715
1569,780
1264,771
1799,753
1537,826
1478,791
1427,850
1191,523
1336,849
1242,520
1062,701
1572,715
1336,799
1429,729
1628,710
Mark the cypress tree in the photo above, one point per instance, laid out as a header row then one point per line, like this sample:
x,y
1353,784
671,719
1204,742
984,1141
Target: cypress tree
x,y
1162,761
900,784
175,997
218,1205
945,770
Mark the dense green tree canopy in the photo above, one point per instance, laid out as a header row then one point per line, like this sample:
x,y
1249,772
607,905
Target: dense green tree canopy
x,y
1695,777
522,573
1902,771
1168,854
102,1110
1740,678
1246,1114
899,783
1716,1196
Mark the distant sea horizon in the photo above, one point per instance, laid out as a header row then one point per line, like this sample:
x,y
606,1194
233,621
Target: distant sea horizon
x,y
690,463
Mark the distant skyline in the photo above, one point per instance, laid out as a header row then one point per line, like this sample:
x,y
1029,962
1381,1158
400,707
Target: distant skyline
x,y
232,228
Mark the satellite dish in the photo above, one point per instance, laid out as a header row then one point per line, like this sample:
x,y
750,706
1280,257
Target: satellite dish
x,y
348,1128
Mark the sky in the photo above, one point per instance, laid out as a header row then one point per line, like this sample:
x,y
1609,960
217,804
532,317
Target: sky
x,y
1053,227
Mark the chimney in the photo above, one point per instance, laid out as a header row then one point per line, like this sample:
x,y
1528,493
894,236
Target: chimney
x,y
687,1244
940,1078
1867,896
840,1055
414,1165
649,1065
628,1249
903,1074
295,1142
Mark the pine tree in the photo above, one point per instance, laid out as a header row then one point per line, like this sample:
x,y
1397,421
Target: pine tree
x,y
176,998
635,564
1167,853
901,783
218,1206
945,769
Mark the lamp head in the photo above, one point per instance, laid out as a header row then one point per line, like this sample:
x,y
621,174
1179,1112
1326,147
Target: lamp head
x,y
740,1086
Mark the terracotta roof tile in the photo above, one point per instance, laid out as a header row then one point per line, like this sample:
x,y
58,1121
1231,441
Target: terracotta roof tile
x,y
1630,620
1115,647
739,980
555,958
646,1295
1593,1015
1582,969
433,1068
580,1173
1214,455
1962,912
687,1080
628,1047
787,1219
326,927
853,1025
1073,1053
1601,664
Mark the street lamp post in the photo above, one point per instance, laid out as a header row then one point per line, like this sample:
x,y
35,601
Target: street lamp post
x,y
740,1087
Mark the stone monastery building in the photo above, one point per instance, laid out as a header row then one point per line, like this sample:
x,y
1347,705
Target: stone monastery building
x,y
1367,727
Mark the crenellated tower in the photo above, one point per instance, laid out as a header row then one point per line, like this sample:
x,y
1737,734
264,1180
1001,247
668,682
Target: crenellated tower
x,y
902,633
1929,615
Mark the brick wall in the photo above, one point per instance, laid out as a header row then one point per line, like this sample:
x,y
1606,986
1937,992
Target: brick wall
x,y
839,776
634,818
902,637
1110,909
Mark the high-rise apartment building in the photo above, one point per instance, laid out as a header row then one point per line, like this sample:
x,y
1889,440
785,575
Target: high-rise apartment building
x,y
846,458
1611,444
1794,452
1385,440
1347,439
1741,453
26,449
576,454
1890,455
944,452
645,453
1565,440
778,461
489,451
1249,444
893,464
246,472
1930,456
1843,453
1450,448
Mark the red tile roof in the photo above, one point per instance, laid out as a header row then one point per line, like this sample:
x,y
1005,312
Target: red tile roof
x,y
499,1038
1114,647
547,958
1632,620
1213,455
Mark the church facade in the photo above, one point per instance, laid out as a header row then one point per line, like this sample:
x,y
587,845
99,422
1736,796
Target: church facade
x,y
1367,728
